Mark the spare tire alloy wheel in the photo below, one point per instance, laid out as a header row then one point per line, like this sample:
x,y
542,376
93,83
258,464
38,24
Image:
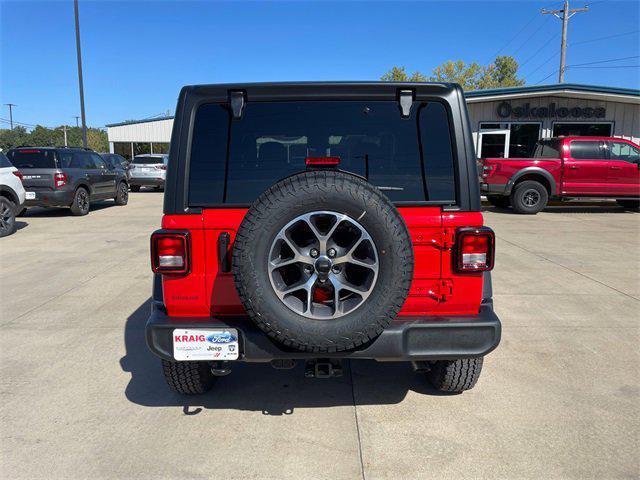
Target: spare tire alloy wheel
x,y
323,265
322,261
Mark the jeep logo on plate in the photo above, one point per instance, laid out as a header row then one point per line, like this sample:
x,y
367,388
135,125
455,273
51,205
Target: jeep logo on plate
x,y
224,337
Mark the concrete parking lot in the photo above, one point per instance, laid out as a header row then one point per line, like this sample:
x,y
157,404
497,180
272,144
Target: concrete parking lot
x,y
83,398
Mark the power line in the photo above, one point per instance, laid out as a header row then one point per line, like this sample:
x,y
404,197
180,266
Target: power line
x,y
516,35
606,66
529,38
604,61
603,38
539,50
552,73
565,14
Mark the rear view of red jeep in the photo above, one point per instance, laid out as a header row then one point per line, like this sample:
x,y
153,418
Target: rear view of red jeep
x,y
316,222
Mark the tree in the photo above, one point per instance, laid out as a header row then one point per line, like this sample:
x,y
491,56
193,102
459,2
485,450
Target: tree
x,y
503,72
53,137
398,74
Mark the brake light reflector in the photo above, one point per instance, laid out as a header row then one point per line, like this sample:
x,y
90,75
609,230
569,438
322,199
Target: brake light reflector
x,y
322,161
18,174
170,252
60,180
474,249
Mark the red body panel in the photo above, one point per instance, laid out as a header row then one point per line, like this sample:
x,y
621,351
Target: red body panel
x,y
602,177
436,289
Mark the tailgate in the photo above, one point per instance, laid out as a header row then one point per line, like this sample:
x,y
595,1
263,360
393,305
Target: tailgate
x,y
35,179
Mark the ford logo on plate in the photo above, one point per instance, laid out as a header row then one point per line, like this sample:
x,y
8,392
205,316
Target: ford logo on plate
x,y
224,337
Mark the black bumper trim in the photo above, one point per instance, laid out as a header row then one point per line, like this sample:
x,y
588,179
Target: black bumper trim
x,y
145,182
406,339
495,188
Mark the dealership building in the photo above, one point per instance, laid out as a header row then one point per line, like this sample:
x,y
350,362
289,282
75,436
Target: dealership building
x,y
506,122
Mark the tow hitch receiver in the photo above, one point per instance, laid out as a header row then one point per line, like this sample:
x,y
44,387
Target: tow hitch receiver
x,y
323,368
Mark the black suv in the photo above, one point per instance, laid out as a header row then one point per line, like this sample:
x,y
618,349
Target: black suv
x,y
68,177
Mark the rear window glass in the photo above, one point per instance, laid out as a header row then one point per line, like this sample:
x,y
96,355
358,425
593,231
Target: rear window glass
x,y
272,140
586,150
548,149
4,161
146,160
32,158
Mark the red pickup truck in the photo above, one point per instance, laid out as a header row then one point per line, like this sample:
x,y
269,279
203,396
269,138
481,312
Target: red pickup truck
x,y
564,168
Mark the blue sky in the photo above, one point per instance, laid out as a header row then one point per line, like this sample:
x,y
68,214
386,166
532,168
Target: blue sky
x,y
137,55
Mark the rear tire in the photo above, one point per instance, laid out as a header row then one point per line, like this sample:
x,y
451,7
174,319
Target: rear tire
x,y
455,376
529,197
188,378
7,217
122,194
135,188
629,204
499,201
81,202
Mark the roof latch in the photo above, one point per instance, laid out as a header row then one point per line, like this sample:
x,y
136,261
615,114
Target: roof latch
x,y
237,101
406,100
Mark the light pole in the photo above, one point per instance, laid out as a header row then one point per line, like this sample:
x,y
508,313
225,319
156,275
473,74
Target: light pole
x,y
76,117
11,105
80,83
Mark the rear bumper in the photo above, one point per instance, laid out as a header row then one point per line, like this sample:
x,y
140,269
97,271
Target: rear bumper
x,y
51,198
144,181
406,339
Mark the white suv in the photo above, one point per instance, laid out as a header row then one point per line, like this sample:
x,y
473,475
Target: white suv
x,y
148,170
11,195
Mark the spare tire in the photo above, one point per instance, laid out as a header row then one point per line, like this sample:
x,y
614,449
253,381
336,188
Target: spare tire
x,y
322,261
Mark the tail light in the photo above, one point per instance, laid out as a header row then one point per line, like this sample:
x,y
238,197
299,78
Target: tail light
x,y
322,161
131,167
60,180
18,174
161,167
170,252
474,249
487,169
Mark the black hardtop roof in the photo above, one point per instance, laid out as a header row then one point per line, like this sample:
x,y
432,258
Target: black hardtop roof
x,y
323,90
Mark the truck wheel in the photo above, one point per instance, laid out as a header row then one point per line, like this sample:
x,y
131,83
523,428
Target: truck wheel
x,y
455,376
529,197
499,201
135,188
80,205
629,204
122,195
188,378
7,217
322,261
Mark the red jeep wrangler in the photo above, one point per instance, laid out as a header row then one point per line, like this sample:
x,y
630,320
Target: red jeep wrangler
x,y
318,222
564,168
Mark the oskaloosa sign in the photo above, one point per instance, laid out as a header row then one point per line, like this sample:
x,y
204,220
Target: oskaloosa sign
x,y
505,110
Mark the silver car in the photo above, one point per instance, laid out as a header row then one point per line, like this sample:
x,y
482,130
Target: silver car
x,y
148,170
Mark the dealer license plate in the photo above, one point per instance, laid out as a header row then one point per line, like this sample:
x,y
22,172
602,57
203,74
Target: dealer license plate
x,y
209,344
30,195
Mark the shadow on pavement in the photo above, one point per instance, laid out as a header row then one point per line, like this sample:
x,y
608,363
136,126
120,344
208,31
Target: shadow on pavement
x,y
567,209
65,212
259,387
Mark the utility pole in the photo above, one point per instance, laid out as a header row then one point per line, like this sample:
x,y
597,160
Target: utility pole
x,y
565,14
80,83
11,105
76,117
64,129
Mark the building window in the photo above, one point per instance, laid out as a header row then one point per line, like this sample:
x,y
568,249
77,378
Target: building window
x,y
508,140
159,147
123,149
582,129
141,148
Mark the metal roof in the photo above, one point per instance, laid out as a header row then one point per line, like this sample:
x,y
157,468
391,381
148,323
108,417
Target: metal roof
x,y
555,88
134,122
